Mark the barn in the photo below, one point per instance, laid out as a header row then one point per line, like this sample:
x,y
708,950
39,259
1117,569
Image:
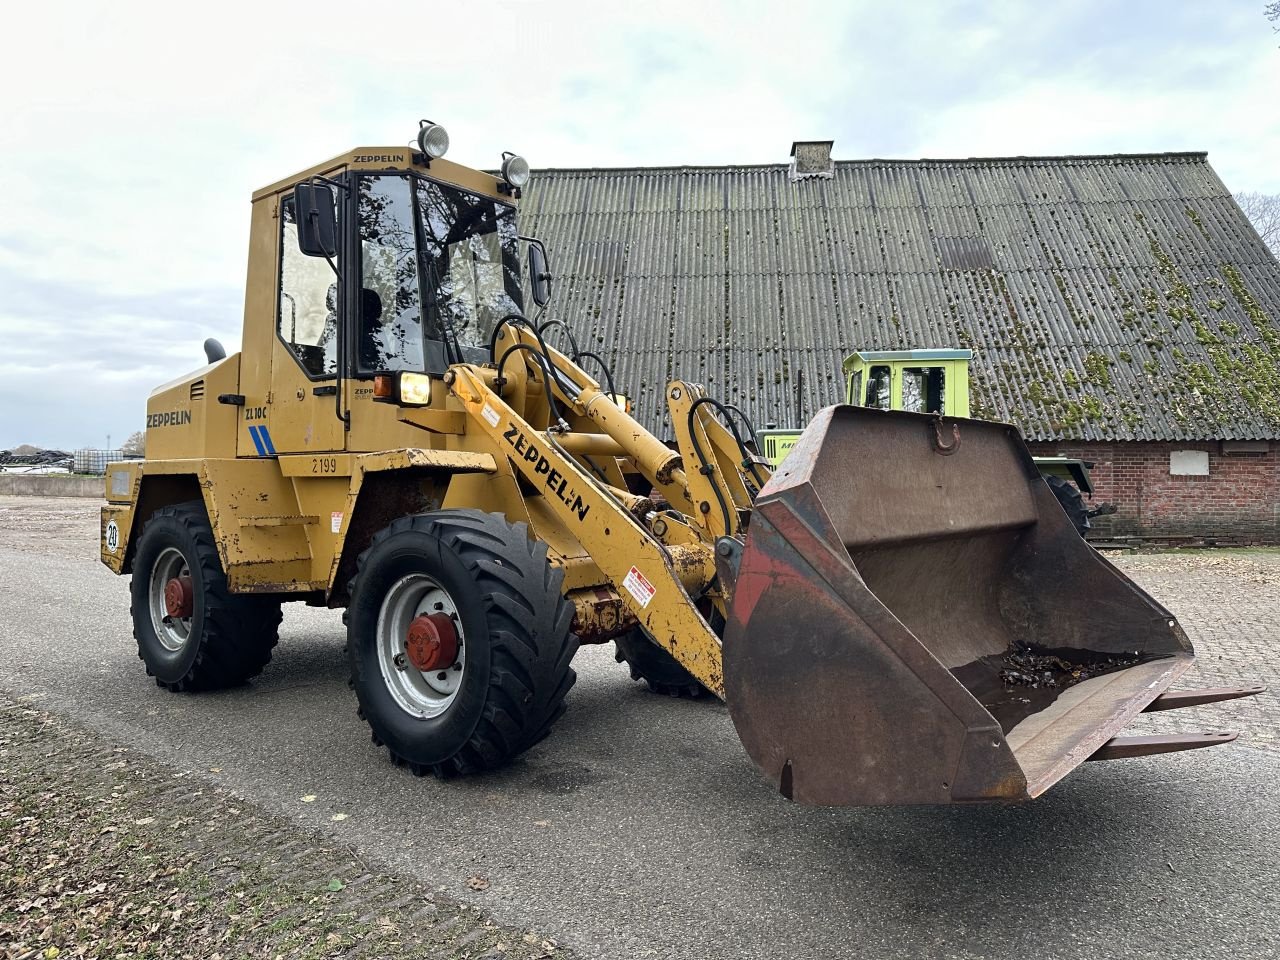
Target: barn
x,y
1120,308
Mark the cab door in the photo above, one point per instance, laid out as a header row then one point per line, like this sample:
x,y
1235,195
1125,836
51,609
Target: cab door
x,y
301,413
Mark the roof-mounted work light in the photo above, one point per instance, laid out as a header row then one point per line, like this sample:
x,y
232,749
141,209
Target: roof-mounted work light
x,y
433,139
515,170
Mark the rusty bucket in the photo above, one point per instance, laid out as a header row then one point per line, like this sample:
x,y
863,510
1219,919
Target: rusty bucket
x,y
915,620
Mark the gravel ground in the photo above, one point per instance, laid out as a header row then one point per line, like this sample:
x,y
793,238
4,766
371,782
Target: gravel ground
x,y
107,853
639,829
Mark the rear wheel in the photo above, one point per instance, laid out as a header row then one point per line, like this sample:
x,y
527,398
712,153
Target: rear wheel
x,y
458,640
653,665
1072,501
193,633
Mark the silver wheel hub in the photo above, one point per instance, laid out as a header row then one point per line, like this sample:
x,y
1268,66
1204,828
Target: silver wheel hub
x,y
172,632
423,694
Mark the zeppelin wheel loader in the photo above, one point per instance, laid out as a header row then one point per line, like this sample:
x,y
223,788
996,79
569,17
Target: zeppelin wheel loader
x,y
892,616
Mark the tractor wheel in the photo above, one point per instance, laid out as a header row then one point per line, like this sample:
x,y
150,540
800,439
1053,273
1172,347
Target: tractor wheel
x,y
1072,501
458,640
193,633
655,666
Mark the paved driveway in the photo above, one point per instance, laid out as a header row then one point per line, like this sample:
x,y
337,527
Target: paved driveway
x,y
640,828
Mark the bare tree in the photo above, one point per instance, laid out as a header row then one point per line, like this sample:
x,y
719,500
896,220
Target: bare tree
x,y
136,445
1263,210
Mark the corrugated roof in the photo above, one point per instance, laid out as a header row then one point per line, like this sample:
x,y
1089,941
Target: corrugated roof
x,y
1107,297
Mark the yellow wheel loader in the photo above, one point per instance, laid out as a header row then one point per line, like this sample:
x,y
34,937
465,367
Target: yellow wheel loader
x,y
894,616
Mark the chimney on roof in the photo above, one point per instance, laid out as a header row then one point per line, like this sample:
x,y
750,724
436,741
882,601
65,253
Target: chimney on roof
x,y
812,158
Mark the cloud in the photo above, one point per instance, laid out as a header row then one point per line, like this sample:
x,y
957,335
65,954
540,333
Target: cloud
x,y
135,133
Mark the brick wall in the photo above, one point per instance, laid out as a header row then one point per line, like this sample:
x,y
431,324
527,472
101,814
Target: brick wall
x,y
1240,498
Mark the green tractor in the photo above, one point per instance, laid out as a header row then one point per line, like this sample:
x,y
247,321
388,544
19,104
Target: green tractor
x,y
937,381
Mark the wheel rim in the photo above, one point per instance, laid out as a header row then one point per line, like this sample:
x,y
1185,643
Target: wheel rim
x,y
172,632
419,693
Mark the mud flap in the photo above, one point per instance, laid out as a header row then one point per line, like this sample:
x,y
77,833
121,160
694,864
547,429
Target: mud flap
x,y
916,621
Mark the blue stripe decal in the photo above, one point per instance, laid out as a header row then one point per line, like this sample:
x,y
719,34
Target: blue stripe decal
x,y
257,442
266,439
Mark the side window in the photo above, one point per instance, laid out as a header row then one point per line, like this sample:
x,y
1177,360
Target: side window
x,y
308,314
855,388
878,389
390,322
923,389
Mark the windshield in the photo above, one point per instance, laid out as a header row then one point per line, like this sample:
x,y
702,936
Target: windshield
x,y
461,249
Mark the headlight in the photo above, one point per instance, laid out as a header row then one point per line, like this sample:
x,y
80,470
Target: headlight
x,y
515,169
433,139
415,389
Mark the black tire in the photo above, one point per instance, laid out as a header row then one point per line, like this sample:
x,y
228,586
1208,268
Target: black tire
x,y
1072,502
653,665
516,645
228,637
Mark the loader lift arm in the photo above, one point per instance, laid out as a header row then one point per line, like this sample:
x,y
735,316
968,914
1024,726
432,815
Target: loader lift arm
x,y
659,577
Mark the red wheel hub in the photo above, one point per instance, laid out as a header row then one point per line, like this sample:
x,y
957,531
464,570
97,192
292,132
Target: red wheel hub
x,y
179,599
432,642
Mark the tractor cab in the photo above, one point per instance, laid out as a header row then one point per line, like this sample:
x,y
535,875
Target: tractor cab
x,y
918,381
937,382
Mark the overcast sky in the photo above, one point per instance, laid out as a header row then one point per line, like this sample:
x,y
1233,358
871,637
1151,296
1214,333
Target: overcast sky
x,y
133,134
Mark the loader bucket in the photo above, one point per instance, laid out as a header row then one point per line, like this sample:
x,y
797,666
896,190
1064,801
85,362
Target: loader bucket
x,y
915,620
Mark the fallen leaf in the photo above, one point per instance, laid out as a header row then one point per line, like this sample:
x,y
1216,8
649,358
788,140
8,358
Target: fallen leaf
x,y
310,797
144,821
338,816
542,823
477,882
335,885
215,769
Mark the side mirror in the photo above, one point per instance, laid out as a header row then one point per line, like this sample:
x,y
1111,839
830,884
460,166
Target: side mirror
x,y
539,277
317,220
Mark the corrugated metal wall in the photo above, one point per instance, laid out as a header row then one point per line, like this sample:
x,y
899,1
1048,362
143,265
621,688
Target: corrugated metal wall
x,y
1104,297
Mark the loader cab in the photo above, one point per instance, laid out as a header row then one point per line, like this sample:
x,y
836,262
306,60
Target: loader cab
x,y
918,381
422,273
381,261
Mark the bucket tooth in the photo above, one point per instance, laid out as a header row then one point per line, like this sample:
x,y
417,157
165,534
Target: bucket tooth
x,y
1124,748
915,620
1173,699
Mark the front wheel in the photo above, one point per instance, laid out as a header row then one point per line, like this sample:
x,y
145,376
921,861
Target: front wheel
x,y
458,640
653,665
193,633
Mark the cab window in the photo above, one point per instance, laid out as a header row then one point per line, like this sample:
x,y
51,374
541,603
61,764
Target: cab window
x,y
308,317
471,265
877,396
389,307
855,387
923,389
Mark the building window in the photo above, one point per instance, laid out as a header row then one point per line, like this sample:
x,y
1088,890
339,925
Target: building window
x,y
1189,463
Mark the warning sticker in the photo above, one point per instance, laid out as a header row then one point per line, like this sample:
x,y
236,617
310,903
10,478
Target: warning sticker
x,y
639,587
490,414
112,537
335,521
